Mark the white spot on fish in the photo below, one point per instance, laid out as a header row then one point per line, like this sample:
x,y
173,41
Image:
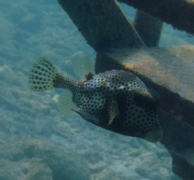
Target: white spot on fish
x,y
121,87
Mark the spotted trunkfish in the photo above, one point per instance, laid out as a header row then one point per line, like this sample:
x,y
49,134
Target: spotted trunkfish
x,y
115,100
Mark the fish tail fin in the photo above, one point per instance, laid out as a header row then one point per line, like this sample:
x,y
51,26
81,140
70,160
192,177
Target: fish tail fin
x,y
44,76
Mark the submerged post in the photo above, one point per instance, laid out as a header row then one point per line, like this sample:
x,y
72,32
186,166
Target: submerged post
x,y
149,28
102,23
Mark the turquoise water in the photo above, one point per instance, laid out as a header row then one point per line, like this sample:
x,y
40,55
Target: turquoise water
x,y
30,122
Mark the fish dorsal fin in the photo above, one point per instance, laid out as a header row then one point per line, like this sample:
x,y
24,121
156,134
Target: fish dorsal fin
x,y
65,103
83,65
89,76
113,110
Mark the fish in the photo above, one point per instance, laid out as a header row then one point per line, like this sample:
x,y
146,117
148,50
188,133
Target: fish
x,y
116,100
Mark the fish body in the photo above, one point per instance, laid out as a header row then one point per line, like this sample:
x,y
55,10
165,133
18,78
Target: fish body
x,y
116,100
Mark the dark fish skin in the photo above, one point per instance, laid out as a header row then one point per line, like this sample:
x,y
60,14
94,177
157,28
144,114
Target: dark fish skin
x,y
116,100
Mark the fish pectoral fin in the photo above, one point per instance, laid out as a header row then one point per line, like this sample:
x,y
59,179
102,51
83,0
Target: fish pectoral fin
x,y
113,110
65,103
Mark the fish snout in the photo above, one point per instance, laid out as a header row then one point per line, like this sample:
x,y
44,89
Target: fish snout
x,y
154,136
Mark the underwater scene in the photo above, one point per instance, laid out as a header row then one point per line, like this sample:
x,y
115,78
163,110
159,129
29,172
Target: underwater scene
x,y
94,90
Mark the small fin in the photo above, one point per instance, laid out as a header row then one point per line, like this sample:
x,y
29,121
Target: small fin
x,y
65,103
42,74
113,110
83,65
144,99
155,95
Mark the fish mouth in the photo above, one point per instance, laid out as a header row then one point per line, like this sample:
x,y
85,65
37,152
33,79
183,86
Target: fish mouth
x,y
154,136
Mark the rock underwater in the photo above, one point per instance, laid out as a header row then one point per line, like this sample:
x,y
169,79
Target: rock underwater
x,y
36,159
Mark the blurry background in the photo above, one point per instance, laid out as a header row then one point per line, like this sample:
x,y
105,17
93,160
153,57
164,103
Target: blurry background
x,y
37,28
